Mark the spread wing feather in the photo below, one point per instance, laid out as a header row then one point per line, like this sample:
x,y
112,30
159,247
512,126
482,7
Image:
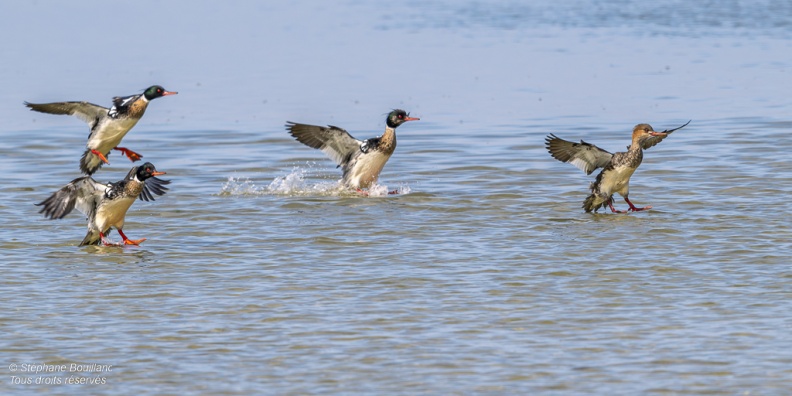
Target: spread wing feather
x,y
82,193
85,111
585,156
337,143
153,185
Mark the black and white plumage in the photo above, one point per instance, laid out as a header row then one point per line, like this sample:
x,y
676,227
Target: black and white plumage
x,y
105,205
360,160
616,168
108,126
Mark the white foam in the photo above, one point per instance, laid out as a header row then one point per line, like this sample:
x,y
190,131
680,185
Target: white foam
x,y
294,183
377,190
239,186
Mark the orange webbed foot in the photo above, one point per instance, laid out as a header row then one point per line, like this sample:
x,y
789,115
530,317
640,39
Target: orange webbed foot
x,y
128,241
133,156
135,242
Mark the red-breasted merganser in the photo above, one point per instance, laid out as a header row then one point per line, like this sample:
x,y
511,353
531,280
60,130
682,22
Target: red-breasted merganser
x,y
361,160
108,126
105,205
616,168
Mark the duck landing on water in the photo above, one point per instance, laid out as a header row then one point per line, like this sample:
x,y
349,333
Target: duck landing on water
x,y
360,160
105,205
616,168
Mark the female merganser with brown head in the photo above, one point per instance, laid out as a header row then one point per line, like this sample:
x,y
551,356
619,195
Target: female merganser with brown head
x,y
105,205
360,160
616,168
108,126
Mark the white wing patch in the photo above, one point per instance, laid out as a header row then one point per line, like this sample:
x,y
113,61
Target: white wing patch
x,y
88,194
581,164
124,103
337,148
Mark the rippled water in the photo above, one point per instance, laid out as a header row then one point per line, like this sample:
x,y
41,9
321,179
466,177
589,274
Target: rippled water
x,y
483,276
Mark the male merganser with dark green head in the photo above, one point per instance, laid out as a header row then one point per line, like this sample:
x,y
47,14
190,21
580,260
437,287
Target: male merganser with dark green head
x,y
108,126
105,205
360,160
616,168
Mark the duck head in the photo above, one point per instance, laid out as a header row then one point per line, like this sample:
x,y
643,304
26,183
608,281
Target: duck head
x,y
156,91
398,117
146,171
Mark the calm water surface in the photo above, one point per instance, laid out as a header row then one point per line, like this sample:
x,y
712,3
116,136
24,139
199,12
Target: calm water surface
x,y
483,276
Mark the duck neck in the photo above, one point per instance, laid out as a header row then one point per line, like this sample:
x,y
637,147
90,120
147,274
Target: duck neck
x,y
634,155
636,146
388,141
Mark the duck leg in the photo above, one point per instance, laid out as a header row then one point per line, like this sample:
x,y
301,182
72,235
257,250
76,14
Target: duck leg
x,y
610,205
633,208
100,155
133,156
128,241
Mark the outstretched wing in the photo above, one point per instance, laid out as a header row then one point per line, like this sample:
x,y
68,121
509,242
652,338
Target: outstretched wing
x,y
85,111
587,157
83,193
153,185
653,140
337,143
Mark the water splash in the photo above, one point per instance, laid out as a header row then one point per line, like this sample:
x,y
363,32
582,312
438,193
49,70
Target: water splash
x,y
294,184
377,190
239,186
